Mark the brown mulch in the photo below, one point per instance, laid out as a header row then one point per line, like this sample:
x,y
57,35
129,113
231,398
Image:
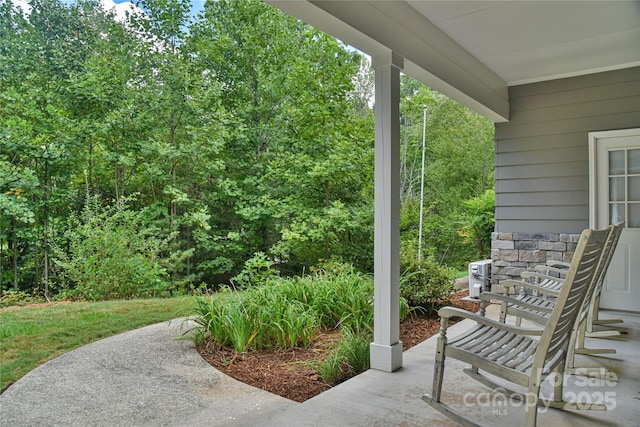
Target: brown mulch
x,y
287,374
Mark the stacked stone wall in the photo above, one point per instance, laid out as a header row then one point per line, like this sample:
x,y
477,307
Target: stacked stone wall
x,y
513,253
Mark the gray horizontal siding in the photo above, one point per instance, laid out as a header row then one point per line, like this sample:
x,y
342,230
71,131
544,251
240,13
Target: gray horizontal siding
x,y
542,158
544,198
537,157
580,83
564,141
579,111
576,96
564,212
603,121
549,185
544,170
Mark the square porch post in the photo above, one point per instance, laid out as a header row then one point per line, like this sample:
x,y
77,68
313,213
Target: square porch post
x,y
386,350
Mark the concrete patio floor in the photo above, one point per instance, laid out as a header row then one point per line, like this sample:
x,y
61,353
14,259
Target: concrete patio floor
x,y
148,378
376,398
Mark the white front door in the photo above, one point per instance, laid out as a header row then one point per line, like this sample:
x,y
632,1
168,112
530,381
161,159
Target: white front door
x,y
615,196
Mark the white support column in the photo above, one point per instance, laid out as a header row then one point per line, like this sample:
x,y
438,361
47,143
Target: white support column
x,y
386,350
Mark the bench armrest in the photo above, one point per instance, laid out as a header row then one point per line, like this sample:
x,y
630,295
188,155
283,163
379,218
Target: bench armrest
x,y
514,301
553,290
545,269
446,313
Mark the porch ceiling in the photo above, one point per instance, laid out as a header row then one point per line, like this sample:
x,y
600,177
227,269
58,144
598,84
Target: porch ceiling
x,y
473,50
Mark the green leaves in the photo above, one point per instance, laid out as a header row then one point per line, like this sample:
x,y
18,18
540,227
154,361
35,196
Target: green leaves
x,y
458,166
168,19
257,271
16,186
111,254
241,131
284,313
478,222
426,284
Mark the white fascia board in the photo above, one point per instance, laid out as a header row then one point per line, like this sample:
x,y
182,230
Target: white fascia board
x,y
327,23
432,57
454,93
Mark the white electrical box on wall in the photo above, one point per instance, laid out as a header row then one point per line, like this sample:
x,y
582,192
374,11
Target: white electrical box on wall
x,y
479,278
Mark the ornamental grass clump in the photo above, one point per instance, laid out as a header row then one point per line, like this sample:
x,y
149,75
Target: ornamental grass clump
x,y
227,321
288,313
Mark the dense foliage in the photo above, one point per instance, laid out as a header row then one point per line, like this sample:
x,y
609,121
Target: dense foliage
x,y
150,156
285,313
426,284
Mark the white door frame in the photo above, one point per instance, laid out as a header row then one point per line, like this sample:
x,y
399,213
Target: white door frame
x,y
623,291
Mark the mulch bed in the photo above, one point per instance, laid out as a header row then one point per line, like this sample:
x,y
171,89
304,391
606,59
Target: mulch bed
x,y
286,373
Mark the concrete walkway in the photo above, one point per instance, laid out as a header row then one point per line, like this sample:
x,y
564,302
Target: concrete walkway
x,y
148,378
144,377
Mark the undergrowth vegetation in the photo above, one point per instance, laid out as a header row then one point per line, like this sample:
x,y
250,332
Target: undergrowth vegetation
x,y
426,284
285,313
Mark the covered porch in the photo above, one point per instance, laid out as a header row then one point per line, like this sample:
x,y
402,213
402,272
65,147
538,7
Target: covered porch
x,y
546,73
376,398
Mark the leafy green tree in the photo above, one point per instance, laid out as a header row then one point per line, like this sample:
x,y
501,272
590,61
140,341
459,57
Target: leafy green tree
x,y
478,222
297,162
240,131
100,97
185,126
458,166
35,131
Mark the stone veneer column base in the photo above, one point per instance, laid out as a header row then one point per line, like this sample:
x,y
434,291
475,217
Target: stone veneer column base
x,y
513,253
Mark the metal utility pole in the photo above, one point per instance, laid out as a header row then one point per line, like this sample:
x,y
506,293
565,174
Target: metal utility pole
x,y
424,134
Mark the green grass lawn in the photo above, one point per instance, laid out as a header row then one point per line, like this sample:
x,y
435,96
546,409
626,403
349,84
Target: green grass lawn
x,y
29,336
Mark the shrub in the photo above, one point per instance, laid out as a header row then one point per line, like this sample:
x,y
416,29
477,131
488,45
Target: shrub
x,y
354,349
287,312
478,222
350,357
329,369
257,271
111,254
12,297
426,284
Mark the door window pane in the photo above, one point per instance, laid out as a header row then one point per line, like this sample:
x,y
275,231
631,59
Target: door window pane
x,y
634,215
633,161
616,162
634,189
616,189
624,186
616,213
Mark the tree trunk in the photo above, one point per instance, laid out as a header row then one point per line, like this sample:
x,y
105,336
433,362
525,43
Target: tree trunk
x,y
326,205
174,166
1,251
45,242
45,257
14,255
36,255
90,177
